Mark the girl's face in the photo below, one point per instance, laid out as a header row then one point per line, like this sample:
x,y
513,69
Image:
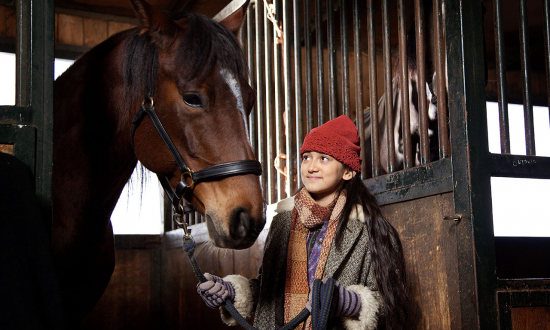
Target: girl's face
x,y
322,176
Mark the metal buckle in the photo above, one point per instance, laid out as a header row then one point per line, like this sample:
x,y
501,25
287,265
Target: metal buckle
x,y
149,101
178,220
188,174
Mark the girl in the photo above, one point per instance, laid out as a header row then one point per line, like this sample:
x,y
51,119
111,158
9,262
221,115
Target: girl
x,y
333,227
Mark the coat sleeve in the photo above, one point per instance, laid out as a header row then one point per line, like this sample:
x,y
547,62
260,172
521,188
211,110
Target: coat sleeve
x,y
244,301
367,319
372,309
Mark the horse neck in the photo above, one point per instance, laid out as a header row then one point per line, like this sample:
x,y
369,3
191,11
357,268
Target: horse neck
x,y
92,151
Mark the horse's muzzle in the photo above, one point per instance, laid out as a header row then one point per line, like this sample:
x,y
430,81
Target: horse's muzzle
x,y
242,230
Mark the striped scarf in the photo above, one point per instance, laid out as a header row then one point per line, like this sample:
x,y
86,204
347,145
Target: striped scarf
x,y
307,214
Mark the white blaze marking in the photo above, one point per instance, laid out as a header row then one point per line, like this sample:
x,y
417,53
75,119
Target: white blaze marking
x,y
236,89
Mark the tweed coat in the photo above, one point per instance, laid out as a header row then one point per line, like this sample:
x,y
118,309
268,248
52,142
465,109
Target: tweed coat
x,y
350,265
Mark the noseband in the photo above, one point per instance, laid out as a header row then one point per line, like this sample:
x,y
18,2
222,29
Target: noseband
x,y
189,178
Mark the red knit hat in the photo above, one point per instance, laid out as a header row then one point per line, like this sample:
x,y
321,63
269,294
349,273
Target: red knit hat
x,y
337,138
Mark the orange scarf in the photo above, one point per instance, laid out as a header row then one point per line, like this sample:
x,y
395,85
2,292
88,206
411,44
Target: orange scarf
x,y
307,214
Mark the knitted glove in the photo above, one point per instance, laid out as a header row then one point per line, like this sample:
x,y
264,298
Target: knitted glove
x,y
344,302
215,290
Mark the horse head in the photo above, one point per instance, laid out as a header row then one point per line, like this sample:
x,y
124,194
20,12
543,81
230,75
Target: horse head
x,y
197,78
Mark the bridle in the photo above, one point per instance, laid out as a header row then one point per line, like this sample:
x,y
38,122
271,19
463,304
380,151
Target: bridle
x,y
189,178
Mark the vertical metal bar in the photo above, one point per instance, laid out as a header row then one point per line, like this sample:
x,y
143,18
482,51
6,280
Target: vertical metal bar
x,y
546,13
308,68
345,62
439,52
320,65
279,96
388,85
251,79
299,118
358,82
332,89
404,78
267,34
501,80
23,53
526,75
375,143
289,127
421,71
41,73
260,117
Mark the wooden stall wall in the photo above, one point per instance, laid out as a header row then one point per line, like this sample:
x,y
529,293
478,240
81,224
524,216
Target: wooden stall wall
x,y
74,33
153,285
429,245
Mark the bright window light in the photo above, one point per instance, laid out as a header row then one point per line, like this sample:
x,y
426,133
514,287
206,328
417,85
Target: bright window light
x,y
7,83
140,208
517,129
520,207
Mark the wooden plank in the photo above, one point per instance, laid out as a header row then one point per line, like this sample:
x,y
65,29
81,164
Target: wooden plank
x,y
427,243
115,27
3,20
11,23
531,318
6,148
125,303
70,30
95,31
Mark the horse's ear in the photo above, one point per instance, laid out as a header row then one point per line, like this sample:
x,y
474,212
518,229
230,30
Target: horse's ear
x,y
155,22
234,21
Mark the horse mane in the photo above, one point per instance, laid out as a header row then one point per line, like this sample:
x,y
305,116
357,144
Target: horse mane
x,y
204,43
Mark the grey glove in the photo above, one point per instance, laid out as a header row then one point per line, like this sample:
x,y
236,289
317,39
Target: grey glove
x,y
344,302
215,291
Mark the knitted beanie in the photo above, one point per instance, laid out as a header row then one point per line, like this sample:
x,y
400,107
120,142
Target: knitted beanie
x,y
337,138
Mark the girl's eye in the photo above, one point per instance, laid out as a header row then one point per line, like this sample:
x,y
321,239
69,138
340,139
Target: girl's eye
x,y
192,100
305,157
324,158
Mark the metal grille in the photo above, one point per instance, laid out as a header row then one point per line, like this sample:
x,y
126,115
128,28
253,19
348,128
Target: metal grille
x,y
307,64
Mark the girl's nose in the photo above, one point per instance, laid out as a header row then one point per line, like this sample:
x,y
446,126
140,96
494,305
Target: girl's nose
x,y
312,167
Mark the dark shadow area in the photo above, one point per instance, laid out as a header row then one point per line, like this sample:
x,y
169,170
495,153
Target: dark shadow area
x,y
522,257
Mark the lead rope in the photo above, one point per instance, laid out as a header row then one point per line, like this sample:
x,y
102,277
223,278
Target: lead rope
x,y
321,295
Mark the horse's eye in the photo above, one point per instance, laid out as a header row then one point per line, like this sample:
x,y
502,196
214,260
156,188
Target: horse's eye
x,y
192,100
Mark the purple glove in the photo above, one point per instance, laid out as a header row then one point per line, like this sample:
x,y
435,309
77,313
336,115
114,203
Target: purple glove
x,y
344,302
215,290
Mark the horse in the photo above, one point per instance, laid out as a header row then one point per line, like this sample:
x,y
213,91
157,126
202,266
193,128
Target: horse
x,y
192,72
397,104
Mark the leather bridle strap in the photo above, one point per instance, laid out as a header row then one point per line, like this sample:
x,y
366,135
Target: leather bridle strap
x,y
188,177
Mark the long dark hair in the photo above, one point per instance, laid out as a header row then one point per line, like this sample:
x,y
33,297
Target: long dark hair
x,y
387,259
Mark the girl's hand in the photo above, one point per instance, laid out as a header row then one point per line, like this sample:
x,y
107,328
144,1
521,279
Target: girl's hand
x,y
215,291
344,302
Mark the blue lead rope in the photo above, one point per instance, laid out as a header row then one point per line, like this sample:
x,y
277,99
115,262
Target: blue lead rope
x,y
321,296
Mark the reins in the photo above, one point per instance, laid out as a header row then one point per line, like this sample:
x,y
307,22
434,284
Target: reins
x,y
322,292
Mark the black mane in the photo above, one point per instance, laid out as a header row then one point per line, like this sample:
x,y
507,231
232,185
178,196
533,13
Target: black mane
x,y
205,43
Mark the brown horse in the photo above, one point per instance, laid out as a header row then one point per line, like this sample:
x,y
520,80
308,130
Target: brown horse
x,y
196,72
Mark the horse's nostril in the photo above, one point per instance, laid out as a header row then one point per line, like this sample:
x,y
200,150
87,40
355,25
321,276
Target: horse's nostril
x,y
240,223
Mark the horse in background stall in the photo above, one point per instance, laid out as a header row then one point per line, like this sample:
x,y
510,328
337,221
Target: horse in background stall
x,y
396,101
196,71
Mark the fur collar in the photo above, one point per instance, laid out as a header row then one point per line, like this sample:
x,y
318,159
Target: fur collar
x,y
288,204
